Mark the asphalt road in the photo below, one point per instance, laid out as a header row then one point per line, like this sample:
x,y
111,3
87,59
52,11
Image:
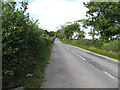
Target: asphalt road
x,y
72,67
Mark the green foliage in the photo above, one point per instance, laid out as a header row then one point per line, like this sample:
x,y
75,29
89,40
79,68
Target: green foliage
x,y
112,46
88,45
37,80
68,31
99,43
80,34
104,18
52,33
60,34
22,43
83,42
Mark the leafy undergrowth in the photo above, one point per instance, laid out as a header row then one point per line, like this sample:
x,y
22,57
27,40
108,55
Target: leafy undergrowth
x,y
96,50
24,45
37,78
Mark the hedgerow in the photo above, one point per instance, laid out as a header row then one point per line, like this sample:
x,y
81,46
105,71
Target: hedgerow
x,y
22,43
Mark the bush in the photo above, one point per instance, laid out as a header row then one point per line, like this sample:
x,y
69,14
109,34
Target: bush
x,y
112,46
101,47
22,44
99,43
83,42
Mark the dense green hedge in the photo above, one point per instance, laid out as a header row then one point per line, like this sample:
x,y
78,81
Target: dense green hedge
x,y
22,43
110,49
111,46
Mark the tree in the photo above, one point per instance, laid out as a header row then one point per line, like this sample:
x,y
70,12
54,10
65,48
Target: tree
x,y
52,33
70,29
81,34
60,34
104,17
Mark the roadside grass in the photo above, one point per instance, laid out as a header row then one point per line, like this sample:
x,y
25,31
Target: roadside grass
x,y
95,50
37,80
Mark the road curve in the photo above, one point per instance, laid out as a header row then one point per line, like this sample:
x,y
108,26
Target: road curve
x,y
72,67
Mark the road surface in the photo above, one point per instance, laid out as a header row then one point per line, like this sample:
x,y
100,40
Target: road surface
x,y
72,67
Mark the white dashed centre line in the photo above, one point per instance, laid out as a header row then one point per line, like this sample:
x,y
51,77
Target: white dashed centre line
x,y
82,58
109,75
72,51
66,48
79,55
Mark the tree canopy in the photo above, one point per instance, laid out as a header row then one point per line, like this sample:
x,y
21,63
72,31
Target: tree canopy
x,y
67,32
104,18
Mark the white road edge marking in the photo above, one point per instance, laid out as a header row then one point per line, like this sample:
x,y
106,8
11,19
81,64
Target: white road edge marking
x,y
109,75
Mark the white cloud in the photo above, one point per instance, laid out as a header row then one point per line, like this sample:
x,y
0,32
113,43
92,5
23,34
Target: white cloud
x,y
55,12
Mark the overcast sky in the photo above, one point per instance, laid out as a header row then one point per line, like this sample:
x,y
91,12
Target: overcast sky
x,y
52,13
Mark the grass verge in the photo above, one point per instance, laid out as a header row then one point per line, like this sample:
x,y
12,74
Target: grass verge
x,y
36,81
95,50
